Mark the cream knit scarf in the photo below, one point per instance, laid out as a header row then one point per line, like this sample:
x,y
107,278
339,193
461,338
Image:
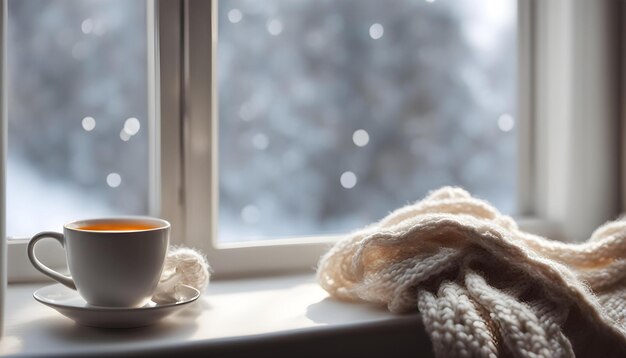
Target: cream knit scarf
x,y
483,287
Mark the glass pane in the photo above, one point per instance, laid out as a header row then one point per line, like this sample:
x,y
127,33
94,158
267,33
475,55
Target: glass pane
x,y
77,112
334,112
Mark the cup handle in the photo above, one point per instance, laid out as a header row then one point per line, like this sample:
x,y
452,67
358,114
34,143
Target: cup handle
x,y
66,280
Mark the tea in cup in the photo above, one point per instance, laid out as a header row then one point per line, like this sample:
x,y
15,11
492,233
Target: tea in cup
x,y
113,262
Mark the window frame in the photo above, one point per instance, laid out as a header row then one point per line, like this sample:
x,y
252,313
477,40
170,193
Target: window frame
x,y
185,117
3,149
574,104
200,147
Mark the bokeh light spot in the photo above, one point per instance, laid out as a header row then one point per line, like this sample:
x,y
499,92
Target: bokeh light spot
x,y
376,31
114,180
274,27
234,16
124,136
360,137
88,123
260,141
86,26
250,214
348,180
506,122
132,126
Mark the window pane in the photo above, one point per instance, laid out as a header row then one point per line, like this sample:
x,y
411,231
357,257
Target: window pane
x,y
77,112
334,112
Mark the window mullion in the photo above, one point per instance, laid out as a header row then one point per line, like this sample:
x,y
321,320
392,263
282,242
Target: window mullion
x,y
169,113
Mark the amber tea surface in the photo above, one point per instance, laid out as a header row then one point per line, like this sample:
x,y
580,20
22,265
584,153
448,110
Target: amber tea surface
x,y
118,226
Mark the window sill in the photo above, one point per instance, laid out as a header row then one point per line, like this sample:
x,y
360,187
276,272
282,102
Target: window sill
x,y
260,317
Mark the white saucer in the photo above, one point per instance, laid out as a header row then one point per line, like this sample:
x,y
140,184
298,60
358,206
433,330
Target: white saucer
x,y
69,303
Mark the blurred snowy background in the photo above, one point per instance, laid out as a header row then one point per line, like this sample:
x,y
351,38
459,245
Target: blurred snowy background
x,y
334,112
331,112
77,112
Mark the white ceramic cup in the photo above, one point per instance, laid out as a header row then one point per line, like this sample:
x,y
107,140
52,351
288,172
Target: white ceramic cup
x,y
110,268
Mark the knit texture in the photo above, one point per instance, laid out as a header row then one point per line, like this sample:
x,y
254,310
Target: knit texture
x,y
185,266
483,287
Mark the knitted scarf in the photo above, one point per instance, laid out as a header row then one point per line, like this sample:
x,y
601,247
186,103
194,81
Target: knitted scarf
x,y
483,287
